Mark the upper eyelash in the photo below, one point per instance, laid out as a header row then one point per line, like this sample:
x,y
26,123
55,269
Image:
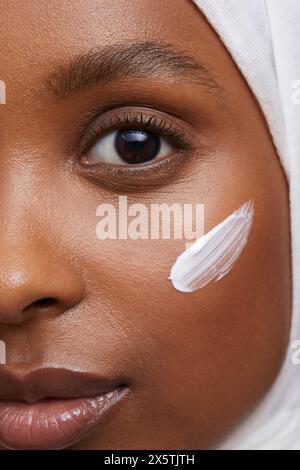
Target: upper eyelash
x,y
138,119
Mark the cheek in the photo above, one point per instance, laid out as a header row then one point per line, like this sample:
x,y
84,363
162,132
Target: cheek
x,y
188,351
245,314
196,347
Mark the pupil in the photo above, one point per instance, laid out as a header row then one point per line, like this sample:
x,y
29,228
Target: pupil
x,y
136,145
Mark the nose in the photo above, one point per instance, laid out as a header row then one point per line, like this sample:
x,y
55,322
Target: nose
x,y
35,281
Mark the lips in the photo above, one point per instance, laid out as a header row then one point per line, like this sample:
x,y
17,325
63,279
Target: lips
x,y
52,408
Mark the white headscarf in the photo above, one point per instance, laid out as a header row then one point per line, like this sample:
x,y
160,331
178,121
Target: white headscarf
x,y
263,38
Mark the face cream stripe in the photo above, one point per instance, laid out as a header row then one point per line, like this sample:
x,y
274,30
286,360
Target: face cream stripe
x,y
233,254
218,250
212,261
216,269
234,239
223,265
212,256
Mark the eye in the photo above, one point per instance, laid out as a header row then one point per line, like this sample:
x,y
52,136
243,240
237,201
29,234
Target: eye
x,y
134,148
128,147
131,140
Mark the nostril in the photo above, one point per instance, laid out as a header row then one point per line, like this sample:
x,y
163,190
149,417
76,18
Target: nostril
x,y
46,302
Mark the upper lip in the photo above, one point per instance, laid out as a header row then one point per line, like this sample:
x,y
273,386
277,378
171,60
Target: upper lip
x,y
40,382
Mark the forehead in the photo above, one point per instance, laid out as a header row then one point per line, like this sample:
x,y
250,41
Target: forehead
x,y
37,35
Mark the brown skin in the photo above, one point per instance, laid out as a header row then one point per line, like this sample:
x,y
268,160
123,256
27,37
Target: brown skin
x,y
197,363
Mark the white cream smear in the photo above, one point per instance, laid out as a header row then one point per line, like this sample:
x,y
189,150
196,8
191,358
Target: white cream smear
x,y
213,255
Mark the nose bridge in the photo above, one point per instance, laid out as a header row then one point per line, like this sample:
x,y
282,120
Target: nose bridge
x,y
34,273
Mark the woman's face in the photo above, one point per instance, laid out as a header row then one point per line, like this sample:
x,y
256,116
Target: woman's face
x,y
195,363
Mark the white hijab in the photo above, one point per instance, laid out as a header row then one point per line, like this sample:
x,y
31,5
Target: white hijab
x,y
263,38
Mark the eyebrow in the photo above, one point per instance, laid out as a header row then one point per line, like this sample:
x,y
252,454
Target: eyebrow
x,y
130,60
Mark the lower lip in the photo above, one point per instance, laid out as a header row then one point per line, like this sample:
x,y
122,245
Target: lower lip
x,y
53,423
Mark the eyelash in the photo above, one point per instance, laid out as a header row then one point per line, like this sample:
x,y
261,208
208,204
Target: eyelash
x,y
157,125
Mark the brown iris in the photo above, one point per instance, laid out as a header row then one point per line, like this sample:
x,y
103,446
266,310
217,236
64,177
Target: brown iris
x,y
136,146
